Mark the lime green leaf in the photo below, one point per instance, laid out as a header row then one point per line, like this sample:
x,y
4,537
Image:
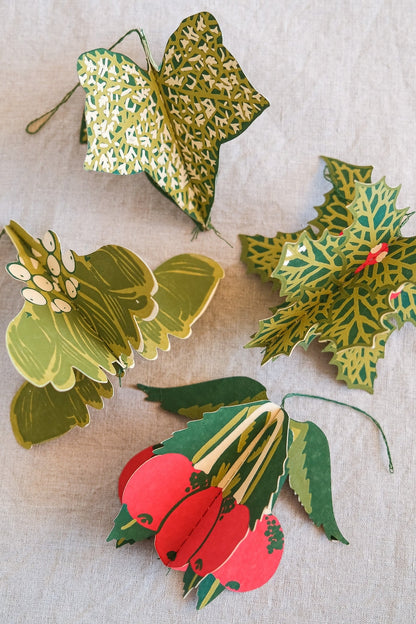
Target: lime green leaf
x,y
208,589
168,121
196,399
309,471
243,448
127,530
187,284
40,414
80,311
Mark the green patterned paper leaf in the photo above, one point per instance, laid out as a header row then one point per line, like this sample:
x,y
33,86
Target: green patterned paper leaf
x,y
309,471
39,414
342,289
357,365
187,284
208,589
261,253
334,214
191,580
127,530
168,121
80,311
194,400
243,448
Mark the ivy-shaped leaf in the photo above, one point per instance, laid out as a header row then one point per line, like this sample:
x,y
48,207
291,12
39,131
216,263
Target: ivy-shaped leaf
x,y
168,121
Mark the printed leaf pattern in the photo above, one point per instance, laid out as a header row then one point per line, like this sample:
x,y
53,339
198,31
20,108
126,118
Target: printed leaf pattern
x,y
168,121
198,490
127,531
261,442
82,318
309,473
196,399
187,284
308,463
80,311
342,284
40,414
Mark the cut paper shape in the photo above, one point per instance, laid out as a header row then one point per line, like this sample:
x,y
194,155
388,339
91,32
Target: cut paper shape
x,y
86,315
207,492
168,121
349,285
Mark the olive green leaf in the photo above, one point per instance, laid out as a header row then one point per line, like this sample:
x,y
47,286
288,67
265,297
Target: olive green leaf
x,y
309,471
242,449
194,400
168,121
186,285
80,311
40,414
83,315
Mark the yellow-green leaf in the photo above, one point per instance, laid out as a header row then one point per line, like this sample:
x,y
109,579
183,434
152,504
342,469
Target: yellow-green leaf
x,y
168,121
40,414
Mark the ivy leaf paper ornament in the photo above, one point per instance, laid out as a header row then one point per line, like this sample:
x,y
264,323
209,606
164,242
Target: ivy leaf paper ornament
x,y
168,121
348,285
206,493
82,318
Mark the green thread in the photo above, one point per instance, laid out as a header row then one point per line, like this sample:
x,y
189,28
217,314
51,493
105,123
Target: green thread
x,y
37,124
357,409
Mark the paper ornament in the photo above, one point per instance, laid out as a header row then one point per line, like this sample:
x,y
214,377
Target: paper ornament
x,y
349,278
206,493
82,318
169,120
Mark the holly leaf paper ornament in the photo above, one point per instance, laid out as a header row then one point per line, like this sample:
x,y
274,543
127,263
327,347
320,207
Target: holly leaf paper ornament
x,y
168,121
347,287
206,493
84,316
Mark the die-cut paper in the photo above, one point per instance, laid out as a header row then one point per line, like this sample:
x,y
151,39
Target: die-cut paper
x,y
169,120
206,494
349,284
82,318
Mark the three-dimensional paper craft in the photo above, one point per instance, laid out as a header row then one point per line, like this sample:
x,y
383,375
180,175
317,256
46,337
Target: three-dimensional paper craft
x,y
82,318
169,120
349,278
206,493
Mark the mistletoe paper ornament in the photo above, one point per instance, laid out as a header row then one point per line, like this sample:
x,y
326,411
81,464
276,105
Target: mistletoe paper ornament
x,y
350,284
82,318
206,493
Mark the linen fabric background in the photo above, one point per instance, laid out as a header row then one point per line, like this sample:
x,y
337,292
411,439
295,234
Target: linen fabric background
x,y
340,78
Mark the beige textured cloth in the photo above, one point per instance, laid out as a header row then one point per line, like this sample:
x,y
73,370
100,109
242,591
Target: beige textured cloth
x,y
340,77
